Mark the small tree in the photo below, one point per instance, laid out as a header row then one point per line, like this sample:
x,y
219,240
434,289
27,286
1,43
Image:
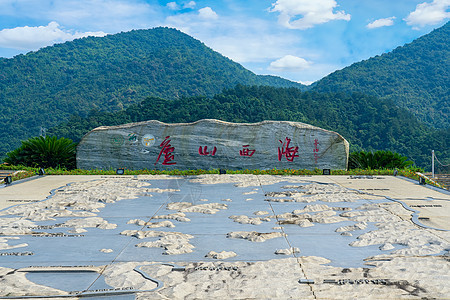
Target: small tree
x,y
378,160
45,152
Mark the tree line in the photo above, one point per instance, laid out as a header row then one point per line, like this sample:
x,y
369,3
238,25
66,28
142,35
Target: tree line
x,y
367,122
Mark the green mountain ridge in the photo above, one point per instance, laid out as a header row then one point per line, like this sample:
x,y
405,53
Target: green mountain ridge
x,y
414,76
45,87
167,75
365,121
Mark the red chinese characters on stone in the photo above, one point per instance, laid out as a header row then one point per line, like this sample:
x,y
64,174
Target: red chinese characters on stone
x,y
316,150
246,152
288,152
204,151
167,150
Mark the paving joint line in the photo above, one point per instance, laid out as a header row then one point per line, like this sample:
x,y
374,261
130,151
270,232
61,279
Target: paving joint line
x,y
129,242
289,244
415,213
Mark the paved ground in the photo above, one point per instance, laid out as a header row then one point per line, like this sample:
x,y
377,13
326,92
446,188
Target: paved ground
x,y
36,189
433,205
414,272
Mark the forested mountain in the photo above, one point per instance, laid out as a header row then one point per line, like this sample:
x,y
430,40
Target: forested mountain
x,y
44,88
365,121
79,85
415,76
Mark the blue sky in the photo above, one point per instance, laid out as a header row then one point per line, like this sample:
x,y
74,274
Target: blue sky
x,y
302,40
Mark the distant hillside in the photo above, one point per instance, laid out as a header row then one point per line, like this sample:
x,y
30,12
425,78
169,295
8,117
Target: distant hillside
x,y
415,76
365,121
44,88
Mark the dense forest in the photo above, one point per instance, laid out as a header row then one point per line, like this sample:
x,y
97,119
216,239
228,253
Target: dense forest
x,y
415,76
397,101
109,73
365,121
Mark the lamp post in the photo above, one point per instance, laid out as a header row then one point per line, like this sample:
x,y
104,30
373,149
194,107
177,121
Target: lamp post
x,y
432,163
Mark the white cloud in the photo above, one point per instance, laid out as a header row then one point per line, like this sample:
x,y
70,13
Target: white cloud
x,y
381,23
33,38
248,40
190,4
173,6
428,13
186,5
307,82
78,35
289,63
85,15
252,46
304,14
202,20
207,13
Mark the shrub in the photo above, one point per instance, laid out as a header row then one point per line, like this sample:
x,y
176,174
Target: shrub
x,y
45,152
378,160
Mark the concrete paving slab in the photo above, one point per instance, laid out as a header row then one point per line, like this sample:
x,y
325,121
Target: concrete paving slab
x,y
115,200
37,189
433,206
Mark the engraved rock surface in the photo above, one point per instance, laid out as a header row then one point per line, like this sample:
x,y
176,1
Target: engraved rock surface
x,y
212,144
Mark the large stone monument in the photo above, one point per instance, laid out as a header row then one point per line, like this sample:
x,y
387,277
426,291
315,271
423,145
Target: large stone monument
x,y
212,144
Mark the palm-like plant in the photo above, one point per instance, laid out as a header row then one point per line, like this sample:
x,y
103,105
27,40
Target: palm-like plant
x,y
378,160
45,152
